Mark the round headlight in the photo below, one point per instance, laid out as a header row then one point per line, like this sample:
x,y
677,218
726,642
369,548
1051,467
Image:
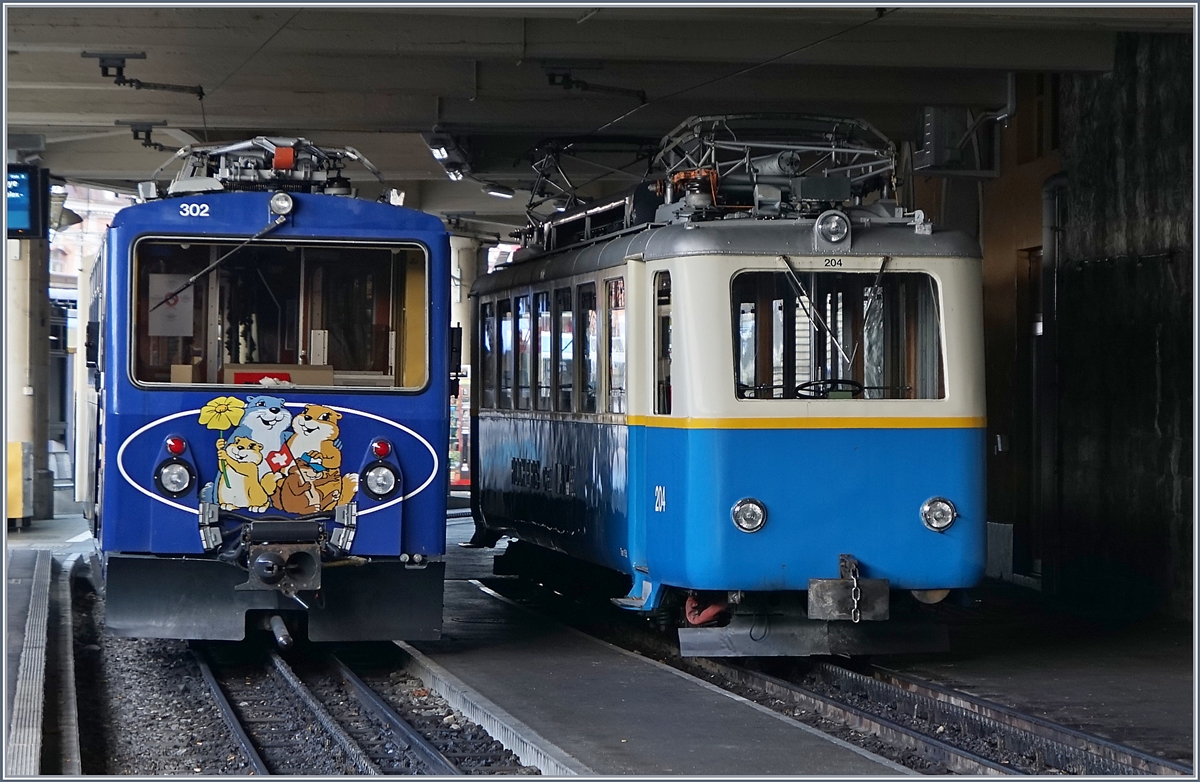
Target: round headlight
x,y
749,515
174,478
938,513
281,204
833,227
380,481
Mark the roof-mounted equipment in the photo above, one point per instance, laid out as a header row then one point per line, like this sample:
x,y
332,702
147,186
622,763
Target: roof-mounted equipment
x,y
261,163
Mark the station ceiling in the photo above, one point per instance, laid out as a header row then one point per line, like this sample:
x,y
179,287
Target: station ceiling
x,y
374,78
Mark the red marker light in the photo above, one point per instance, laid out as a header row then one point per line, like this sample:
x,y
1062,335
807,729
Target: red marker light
x,y
176,445
381,448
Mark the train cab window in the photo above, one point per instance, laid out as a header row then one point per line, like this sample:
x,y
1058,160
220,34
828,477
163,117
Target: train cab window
x,y
837,336
487,353
589,348
564,332
616,345
524,353
504,316
545,354
662,343
307,315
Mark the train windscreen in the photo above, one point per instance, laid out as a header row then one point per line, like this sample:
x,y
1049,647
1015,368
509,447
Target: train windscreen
x,y
317,315
834,335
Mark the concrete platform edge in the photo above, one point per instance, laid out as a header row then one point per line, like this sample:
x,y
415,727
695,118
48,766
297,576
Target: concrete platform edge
x,y
531,748
68,707
899,769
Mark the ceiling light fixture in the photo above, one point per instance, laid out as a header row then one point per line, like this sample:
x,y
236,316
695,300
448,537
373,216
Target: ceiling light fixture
x,y
499,191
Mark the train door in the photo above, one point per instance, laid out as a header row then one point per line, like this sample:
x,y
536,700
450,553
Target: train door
x,y
650,325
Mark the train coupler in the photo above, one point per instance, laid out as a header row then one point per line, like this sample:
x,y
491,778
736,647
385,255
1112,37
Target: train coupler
x,y
286,567
849,598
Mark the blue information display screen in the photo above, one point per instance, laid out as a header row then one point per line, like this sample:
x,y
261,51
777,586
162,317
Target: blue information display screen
x,y
26,202
20,201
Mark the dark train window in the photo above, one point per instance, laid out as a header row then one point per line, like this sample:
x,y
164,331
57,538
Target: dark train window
x,y
616,345
564,332
589,348
524,353
825,335
662,343
545,353
504,318
311,316
487,353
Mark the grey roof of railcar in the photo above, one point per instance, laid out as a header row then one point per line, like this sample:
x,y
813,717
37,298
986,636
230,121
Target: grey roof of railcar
x,y
724,237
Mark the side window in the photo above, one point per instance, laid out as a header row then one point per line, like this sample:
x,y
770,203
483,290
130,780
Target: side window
x,y
524,353
589,348
662,343
505,317
564,326
616,345
487,352
545,354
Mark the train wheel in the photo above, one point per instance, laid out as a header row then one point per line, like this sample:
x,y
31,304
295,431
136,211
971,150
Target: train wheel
x,y
665,617
930,596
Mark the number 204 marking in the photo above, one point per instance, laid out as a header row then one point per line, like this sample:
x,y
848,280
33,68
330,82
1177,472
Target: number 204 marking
x,y
660,499
193,210
833,261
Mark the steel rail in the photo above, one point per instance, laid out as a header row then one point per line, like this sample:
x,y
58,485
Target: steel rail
x,y
434,760
1136,760
227,712
953,758
353,751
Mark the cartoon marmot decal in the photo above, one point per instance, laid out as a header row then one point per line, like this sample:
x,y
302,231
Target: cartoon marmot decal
x,y
318,454
274,460
266,421
238,485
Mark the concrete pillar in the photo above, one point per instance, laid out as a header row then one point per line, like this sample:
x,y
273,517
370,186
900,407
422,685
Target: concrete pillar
x,y
464,253
27,351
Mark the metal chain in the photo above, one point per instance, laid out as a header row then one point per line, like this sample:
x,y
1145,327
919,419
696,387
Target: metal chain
x,y
855,594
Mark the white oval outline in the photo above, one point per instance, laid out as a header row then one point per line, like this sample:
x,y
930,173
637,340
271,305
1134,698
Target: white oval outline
x,y
138,486
402,427
196,512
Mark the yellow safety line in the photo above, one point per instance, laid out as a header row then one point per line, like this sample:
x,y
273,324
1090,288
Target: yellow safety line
x,y
890,422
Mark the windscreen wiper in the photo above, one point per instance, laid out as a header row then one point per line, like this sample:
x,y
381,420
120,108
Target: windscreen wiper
x,y
271,226
801,295
876,293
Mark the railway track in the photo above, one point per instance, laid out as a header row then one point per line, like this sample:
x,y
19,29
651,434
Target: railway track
x,y
963,733
317,717
1051,745
960,732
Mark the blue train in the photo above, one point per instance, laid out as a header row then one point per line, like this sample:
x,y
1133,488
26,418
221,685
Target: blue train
x,y
267,403
751,386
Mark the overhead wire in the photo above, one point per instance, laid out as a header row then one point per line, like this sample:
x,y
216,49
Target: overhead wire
x,y
254,54
879,14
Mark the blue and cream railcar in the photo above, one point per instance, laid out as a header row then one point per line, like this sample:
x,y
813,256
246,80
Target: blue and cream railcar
x,y
736,412
271,377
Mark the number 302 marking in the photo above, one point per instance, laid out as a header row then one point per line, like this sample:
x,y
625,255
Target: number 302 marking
x,y
193,210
